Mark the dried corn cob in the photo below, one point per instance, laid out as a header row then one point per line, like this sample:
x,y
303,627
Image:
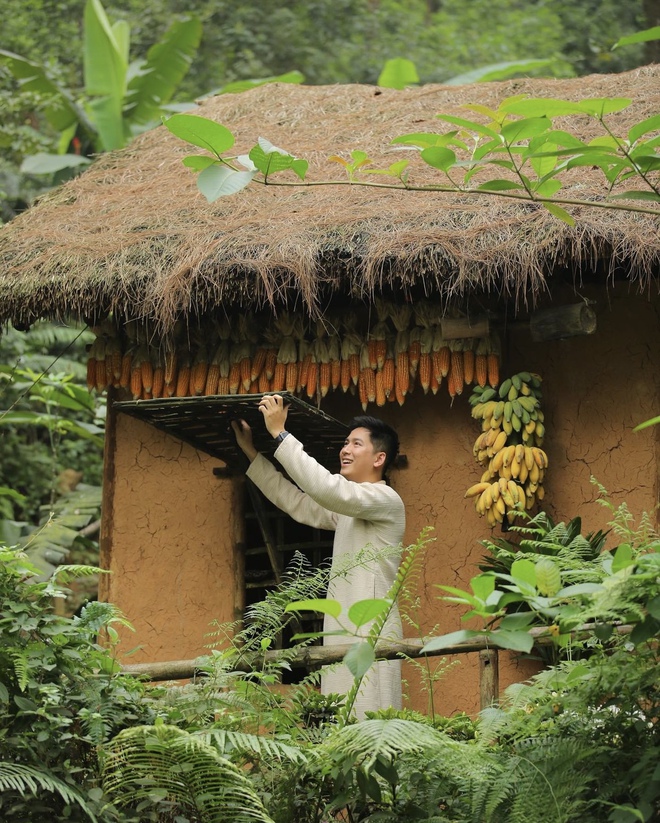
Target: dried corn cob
x,y
169,374
199,371
381,397
388,374
279,377
304,358
493,370
234,377
456,368
264,382
183,378
334,353
312,378
136,380
212,379
223,385
158,381
414,352
258,363
291,379
125,377
468,364
425,369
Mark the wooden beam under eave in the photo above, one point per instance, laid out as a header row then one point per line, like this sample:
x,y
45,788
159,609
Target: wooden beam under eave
x,y
107,503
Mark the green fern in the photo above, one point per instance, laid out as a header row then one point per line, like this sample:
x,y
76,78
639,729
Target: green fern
x,y
28,780
365,742
253,746
166,765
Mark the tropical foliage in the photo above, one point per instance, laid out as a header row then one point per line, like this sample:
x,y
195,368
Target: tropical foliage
x,y
578,741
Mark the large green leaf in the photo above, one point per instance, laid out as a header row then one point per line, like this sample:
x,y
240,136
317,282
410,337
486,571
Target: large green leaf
x,y
398,73
43,163
105,68
220,181
366,610
359,659
639,37
104,60
200,131
497,71
541,107
166,65
61,111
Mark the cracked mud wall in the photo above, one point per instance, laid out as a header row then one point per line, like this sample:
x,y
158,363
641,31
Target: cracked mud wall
x,y
174,525
172,552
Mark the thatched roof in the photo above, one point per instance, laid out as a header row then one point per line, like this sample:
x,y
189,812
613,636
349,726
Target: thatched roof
x,y
132,234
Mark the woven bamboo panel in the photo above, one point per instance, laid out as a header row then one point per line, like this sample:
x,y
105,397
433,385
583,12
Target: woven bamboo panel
x,y
204,423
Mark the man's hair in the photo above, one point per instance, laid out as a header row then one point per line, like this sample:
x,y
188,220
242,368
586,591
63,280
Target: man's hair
x,y
383,437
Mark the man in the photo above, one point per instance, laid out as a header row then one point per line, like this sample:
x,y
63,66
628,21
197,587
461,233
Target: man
x,y
358,506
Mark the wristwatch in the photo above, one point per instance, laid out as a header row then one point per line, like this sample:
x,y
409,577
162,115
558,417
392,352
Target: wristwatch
x,y
280,437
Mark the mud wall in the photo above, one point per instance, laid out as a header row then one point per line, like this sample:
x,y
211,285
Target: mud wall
x,y
172,540
175,528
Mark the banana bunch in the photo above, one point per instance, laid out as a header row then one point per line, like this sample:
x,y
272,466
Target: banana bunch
x,y
513,407
509,447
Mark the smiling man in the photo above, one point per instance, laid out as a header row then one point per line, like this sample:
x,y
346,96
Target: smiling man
x,y
362,510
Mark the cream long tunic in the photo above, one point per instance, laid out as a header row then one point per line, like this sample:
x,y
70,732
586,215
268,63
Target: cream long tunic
x,y
361,515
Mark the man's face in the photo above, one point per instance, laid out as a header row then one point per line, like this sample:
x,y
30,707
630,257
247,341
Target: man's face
x,y
358,459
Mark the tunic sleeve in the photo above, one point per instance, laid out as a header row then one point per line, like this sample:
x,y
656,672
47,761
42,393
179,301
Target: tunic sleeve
x,y
288,497
367,501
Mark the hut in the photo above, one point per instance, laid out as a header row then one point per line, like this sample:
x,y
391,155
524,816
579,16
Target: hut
x,y
195,294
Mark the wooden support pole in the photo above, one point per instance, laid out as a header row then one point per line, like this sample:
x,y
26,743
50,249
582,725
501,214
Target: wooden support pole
x,y
262,520
489,678
310,657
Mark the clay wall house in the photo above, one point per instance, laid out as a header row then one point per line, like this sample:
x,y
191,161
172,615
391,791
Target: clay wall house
x,y
131,247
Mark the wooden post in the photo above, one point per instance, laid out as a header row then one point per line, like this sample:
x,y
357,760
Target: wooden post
x,y
456,327
489,678
562,321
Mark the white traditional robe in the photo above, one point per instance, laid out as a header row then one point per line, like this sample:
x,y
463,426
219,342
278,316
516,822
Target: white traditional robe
x,y
361,515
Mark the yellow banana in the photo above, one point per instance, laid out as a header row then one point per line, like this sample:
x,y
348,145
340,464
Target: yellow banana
x,y
499,442
496,462
500,506
494,492
540,493
530,427
508,456
522,474
478,488
486,477
520,453
534,474
529,458
503,484
515,468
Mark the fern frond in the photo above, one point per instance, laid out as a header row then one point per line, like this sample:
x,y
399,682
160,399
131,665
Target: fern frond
x,y
25,779
370,739
230,743
166,763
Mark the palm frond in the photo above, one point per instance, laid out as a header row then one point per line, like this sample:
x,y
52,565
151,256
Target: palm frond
x,y
24,779
167,765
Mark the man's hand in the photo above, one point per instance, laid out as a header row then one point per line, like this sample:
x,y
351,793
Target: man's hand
x,y
243,434
274,411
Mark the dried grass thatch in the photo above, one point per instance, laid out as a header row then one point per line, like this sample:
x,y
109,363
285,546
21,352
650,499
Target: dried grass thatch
x,y
133,235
